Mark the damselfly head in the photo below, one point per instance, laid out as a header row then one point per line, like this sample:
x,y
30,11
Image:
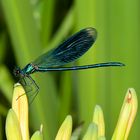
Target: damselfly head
x,y
17,72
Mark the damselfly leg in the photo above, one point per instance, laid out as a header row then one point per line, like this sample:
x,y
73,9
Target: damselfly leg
x,y
31,88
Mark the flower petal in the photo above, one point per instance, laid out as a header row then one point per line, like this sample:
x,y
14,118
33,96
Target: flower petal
x,y
64,132
20,106
127,116
98,119
38,135
92,132
13,131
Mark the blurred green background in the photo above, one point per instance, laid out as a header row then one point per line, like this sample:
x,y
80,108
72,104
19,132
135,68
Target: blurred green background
x,y
31,27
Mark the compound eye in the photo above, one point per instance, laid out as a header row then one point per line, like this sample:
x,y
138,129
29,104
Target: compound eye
x,y
16,72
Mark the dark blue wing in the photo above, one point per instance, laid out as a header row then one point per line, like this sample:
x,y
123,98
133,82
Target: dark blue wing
x,y
69,50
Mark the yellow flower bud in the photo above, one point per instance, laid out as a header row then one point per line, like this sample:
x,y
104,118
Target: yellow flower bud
x,y
20,107
92,132
64,132
13,131
127,115
98,119
38,135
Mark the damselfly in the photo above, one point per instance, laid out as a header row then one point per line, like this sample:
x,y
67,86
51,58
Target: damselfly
x,y
70,50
